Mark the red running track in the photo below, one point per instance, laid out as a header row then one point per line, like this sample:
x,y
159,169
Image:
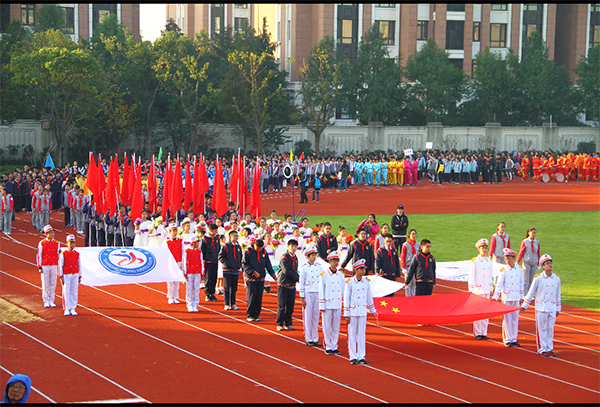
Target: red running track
x,y
129,344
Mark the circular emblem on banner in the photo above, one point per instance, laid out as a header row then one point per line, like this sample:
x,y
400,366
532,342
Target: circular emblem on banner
x,y
127,261
287,171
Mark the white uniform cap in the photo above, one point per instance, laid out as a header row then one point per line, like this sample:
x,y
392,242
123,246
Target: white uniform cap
x,y
48,228
481,242
193,239
360,264
544,259
509,252
172,226
310,250
333,255
70,238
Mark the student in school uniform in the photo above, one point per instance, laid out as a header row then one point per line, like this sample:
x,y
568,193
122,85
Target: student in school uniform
x,y
255,264
176,247
308,290
331,293
327,242
7,211
192,266
510,286
409,251
230,257
387,263
357,299
287,277
499,241
546,290
47,262
529,253
69,272
211,246
422,269
480,283
361,249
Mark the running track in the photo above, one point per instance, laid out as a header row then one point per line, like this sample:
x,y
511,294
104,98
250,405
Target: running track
x,y
128,344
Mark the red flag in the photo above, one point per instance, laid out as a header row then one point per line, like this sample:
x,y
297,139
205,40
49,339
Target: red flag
x,y
132,175
137,200
255,198
152,188
219,204
101,188
112,187
166,189
189,193
125,197
92,179
177,189
202,186
301,156
234,184
195,188
244,198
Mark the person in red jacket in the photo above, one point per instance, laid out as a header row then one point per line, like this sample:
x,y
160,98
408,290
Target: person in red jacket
x,y
69,272
193,271
175,245
536,163
47,262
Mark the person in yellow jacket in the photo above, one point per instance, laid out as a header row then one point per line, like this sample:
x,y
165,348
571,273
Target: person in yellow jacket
x,y
392,171
400,173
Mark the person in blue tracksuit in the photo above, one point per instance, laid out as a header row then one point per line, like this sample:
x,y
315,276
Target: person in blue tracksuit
x,y
368,172
384,171
358,169
377,171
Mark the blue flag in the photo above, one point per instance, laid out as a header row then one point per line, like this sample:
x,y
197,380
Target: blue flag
x,y
49,162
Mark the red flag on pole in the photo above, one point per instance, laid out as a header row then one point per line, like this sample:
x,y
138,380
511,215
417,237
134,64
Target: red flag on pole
x,y
132,175
152,188
125,197
195,188
137,201
166,189
233,190
189,193
301,156
92,178
219,193
255,198
177,189
202,185
112,189
100,206
244,194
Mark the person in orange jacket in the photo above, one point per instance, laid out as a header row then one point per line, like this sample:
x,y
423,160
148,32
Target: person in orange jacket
x,y
525,166
536,162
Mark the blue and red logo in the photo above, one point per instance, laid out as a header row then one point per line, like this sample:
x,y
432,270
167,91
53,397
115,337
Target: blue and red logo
x,y
127,261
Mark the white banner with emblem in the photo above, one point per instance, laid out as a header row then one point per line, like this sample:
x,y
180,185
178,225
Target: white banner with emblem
x,y
127,265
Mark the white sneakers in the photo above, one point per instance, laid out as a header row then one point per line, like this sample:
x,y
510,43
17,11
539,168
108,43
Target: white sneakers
x,y
70,312
173,301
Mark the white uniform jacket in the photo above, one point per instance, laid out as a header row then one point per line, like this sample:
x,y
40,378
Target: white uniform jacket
x,y
358,297
510,284
547,293
309,279
331,289
480,276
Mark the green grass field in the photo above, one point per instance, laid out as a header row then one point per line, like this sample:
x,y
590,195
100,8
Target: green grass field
x,y
571,238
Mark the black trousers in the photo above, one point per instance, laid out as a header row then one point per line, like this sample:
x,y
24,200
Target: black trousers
x,y
93,239
424,288
110,239
498,175
210,279
303,197
254,294
230,283
128,241
86,234
119,240
101,238
474,177
67,216
398,242
285,305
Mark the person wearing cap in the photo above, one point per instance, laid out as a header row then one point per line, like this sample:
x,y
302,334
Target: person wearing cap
x,y
308,289
399,226
69,272
176,247
287,277
480,283
230,258
192,266
331,293
47,262
387,263
357,299
17,389
255,264
546,289
361,249
422,269
510,286
211,246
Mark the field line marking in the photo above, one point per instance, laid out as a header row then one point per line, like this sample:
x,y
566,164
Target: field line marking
x,y
114,401
32,387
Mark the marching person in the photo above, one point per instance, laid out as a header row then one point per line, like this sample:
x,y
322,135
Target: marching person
x,y
480,283
408,253
69,272
422,269
287,277
7,210
357,299
193,271
255,264
47,262
331,293
546,289
211,245
510,285
308,290
387,263
230,257
176,246
530,254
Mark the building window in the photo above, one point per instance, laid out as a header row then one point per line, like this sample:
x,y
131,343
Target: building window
x,y
342,114
217,18
387,30
422,30
532,19
4,16
455,34
456,7
241,5
457,63
347,32
476,30
27,14
70,20
474,69
594,35
347,29
595,7
530,7
499,7
386,5
100,12
497,35
238,23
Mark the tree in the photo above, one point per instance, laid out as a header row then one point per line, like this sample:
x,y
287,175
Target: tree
x,y
320,88
182,70
172,26
50,17
588,81
438,85
63,78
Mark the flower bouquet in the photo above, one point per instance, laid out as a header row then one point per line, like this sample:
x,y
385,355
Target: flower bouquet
x,y
348,238
279,235
137,223
275,243
158,222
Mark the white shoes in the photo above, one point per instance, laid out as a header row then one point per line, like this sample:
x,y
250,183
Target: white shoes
x,y
52,305
46,305
193,309
227,307
171,301
67,312
73,312
175,301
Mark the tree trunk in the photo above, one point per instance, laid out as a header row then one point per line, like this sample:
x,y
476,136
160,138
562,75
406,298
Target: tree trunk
x,y
259,138
193,134
317,132
245,137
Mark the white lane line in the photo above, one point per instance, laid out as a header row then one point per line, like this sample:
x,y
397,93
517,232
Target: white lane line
x,y
113,401
165,342
73,360
32,387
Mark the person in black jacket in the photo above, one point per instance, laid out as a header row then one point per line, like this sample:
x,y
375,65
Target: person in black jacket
x,y
287,278
422,269
387,263
327,242
254,263
230,257
399,226
210,246
304,182
361,249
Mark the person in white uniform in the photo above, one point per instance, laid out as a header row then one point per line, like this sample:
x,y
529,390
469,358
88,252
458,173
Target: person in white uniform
x,y
480,283
309,293
331,293
510,285
69,272
142,239
357,299
546,289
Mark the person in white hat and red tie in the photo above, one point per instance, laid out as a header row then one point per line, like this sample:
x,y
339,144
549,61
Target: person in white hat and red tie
x,y
546,289
69,272
357,299
331,293
192,265
47,262
510,285
309,295
480,283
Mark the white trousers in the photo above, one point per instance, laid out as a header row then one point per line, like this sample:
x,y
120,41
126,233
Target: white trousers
x,y
357,337
481,327
49,276
411,289
310,317
70,291
332,319
544,323
173,287
510,324
192,290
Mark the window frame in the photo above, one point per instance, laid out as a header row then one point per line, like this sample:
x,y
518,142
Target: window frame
x,y
452,7
476,31
499,7
452,43
500,41
69,29
422,30
388,5
29,10
241,6
391,27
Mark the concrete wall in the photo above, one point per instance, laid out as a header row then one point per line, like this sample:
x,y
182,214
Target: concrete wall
x,y
23,133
